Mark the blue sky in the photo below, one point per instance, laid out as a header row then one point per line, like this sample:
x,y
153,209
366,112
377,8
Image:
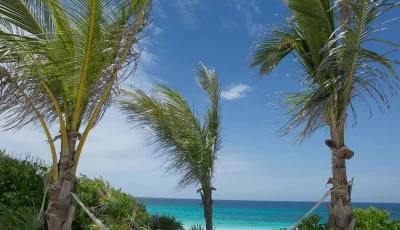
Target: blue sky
x,y
254,164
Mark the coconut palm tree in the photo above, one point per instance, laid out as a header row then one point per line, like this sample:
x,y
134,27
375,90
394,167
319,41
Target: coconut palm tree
x,y
61,63
330,41
171,125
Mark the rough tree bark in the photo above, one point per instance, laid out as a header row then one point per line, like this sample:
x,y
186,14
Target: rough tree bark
x,y
340,213
61,208
207,205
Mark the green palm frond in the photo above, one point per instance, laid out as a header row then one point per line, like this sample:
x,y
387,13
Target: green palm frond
x,y
170,124
360,70
62,61
330,41
74,52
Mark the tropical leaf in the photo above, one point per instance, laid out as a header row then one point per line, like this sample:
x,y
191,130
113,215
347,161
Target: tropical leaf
x,y
331,40
62,61
170,124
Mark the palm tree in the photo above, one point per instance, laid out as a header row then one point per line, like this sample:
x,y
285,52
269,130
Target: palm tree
x,y
329,40
170,123
61,63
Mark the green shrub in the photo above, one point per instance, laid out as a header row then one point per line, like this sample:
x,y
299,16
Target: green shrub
x,y
165,222
26,218
312,223
88,191
21,181
373,218
121,209
197,227
368,219
116,209
21,188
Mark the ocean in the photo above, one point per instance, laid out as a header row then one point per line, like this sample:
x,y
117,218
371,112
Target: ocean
x,y
248,215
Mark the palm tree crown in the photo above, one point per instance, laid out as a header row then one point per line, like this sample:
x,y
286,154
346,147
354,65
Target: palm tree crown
x,y
170,123
329,40
62,61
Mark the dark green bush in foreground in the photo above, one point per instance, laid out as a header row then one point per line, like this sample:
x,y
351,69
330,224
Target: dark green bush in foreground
x,y
373,218
21,194
25,218
165,222
21,181
197,227
116,209
368,219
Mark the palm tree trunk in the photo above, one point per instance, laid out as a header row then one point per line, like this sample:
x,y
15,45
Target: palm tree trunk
x,y
61,208
340,213
207,205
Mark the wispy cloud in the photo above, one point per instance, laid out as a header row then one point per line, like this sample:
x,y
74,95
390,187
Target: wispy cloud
x,y
229,25
235,91
143,78
155,30
248,9
159,9
185,9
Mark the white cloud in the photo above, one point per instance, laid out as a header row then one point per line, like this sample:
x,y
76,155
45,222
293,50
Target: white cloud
x,y
248,9
155,30
143,79
185,9
159,9
235,91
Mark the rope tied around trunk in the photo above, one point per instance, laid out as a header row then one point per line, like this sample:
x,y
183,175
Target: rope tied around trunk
x,y
293,227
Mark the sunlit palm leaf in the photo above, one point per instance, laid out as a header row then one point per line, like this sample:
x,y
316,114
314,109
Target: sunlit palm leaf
x,y
328,41
171,125
66,58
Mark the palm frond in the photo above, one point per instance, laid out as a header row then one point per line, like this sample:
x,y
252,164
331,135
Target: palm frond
x,y
169,123
330,41
75,48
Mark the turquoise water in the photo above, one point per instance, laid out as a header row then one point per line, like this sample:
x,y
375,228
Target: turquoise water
x,y
247,214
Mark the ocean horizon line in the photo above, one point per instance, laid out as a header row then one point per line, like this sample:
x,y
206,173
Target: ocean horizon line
x,y
175,198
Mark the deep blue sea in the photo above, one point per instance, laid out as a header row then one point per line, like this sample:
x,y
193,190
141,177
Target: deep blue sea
x,y
234,214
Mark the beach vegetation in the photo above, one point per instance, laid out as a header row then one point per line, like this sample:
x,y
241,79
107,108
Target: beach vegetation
x,y
21,180
196,227
165,222
21,200
24,218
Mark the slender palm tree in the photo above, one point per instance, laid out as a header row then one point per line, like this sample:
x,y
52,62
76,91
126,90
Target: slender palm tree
x,y
170,123
329,41
61,63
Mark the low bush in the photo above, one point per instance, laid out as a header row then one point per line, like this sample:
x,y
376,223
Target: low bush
x,y
165,222
368,219
21,193
21,181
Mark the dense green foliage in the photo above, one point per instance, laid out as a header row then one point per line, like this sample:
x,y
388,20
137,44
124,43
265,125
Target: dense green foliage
x,y
368,219
196,227
21,194
165,222
25,218
21,181
373,218
116,209
312,223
